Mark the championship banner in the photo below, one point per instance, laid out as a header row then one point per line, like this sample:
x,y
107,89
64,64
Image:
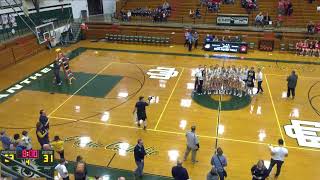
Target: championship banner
x,y
233,20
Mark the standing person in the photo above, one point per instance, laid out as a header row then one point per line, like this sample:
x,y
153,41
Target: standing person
x,y
62,170
196,82
219,161
56,71
43,119
80,169
259,171
42,134
139,154
26,140
192,145
259,79
178,172
292,83
195,39
190,40
277,157
57,145
140,109
213,175
250,80
5,140
186,35
199,78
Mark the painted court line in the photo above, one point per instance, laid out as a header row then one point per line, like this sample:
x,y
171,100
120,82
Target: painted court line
x,y
182,134
165,106
274,109
64,102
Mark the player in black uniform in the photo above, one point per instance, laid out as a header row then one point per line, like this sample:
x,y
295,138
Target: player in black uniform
x,y
250,80
140,109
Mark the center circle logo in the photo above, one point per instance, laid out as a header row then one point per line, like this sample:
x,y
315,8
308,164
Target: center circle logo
x,y
228,102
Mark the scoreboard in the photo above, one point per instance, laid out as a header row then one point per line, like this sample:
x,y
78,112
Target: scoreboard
x,y
38,160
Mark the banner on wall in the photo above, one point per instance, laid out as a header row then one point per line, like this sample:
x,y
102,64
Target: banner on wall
x,y
233,20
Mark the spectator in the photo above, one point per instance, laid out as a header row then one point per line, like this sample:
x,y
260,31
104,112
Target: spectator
x,y
62,170
5,140
139,154
16,143
57,145
129,15
259,19
281,7
279,20
26,140
190,40
317,29
179,172
213,175
197,13
80,169
289,8
278,154
186,36
195,39
267,19
311,28
42,134
259,171
219,161
166,6
192,143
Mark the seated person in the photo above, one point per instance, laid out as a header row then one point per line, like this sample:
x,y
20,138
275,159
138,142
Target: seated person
x,y
259,19
166,6
267,19
317,29
311,27
197,13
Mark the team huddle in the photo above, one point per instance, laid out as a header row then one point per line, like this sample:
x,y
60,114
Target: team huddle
x,y
229,81
308,48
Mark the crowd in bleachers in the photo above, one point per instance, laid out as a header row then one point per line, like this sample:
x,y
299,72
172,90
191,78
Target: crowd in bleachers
x,y
308,48
249,5
159,14
285,7
212,5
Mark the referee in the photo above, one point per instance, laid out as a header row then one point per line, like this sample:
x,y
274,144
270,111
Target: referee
x,y
140,109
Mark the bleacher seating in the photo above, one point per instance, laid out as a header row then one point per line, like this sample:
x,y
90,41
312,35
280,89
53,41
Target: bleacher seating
x,y
303,12
155,40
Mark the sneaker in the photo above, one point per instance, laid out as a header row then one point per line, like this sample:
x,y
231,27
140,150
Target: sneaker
x,y
144,127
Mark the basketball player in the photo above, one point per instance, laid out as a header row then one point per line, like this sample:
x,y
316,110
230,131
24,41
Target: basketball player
x,y
250,80
140,109
316,49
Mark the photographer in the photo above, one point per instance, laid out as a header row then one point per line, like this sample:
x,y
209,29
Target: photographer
x,y
140,109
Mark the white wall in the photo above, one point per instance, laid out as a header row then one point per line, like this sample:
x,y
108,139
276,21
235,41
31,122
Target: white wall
x,y
109,6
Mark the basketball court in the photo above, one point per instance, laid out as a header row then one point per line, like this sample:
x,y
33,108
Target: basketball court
x,y
94,114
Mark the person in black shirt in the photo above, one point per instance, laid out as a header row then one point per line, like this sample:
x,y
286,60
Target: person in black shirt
x,y
250,80
179,172
139,154
56,71
140,109
259,171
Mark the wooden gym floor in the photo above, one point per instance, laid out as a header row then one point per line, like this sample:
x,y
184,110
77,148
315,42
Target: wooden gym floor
x,y
110,79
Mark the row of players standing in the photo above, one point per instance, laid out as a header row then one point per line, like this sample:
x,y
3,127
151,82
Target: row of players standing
x,y
229,81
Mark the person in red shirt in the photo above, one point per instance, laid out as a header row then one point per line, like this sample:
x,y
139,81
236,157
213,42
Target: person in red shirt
x,y
316,50
305,48
299,47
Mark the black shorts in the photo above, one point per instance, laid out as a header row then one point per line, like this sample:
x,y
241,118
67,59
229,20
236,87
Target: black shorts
x,y
141,116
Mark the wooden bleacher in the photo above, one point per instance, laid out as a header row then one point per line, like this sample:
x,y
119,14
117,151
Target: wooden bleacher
x,y
303,11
